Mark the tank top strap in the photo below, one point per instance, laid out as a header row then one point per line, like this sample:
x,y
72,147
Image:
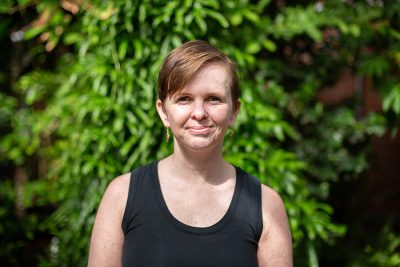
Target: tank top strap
x,y
250,197
136,182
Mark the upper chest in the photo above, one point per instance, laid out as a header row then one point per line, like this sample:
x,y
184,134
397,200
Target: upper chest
x,y
197,205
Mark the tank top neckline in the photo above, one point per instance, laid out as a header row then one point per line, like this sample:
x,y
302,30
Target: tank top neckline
x,y
193,229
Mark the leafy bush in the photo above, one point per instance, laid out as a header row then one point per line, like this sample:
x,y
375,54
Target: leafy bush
x,y
97,117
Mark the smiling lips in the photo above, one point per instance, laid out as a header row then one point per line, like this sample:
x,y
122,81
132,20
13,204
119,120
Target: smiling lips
x,y
199,130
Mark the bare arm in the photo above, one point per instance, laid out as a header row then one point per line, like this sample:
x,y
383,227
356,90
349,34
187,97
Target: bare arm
x,y
107,236
275,245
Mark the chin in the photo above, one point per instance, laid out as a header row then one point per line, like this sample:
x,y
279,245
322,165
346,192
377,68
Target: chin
x,y
200,143
203,145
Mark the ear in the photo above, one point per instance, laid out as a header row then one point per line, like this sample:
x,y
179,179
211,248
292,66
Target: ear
x,y
162,113
236,108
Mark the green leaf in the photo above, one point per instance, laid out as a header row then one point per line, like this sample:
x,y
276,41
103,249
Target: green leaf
x,y
374,65
200,21
253,47
218,17
236,18
72,37
33,32
312,255
6,6
391,100
122,49
269,45
250,15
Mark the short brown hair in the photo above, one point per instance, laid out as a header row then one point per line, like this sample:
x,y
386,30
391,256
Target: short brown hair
x,y
185,61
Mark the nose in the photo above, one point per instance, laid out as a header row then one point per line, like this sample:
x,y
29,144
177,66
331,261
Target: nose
x,y
199,113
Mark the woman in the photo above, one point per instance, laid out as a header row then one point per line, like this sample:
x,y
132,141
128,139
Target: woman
x,y
192,208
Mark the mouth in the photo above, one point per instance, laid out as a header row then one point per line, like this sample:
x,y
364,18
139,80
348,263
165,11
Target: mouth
x,y
199,130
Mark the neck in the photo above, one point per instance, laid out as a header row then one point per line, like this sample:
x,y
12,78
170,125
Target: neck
x,y
198,166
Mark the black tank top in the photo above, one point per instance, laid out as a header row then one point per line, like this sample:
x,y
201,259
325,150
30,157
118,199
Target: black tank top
x,y
153,237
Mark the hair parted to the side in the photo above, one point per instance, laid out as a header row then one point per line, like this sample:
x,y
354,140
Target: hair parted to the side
x,y
185,61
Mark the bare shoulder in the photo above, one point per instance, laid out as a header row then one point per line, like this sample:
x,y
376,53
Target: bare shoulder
x,y
119,186
270,194
275,245
272,203
113,202
120,182
107,236
116,193
273,209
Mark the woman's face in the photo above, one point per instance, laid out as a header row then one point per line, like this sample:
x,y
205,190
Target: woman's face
x,y
201,112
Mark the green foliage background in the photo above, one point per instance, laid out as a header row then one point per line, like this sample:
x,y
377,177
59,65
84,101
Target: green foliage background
x,y
90,116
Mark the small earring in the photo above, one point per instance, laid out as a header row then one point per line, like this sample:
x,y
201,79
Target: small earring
x,y
230,133
167,135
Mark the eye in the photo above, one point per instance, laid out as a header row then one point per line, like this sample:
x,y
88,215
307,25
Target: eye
x,y
183,100
214,99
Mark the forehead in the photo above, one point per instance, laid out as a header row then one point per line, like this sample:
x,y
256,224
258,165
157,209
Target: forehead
x,y
212,76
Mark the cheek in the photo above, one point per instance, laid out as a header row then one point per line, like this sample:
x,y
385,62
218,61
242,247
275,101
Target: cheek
x,y
178,115
221,115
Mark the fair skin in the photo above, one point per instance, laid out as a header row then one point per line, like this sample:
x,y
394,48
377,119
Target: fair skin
x,y
196,182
